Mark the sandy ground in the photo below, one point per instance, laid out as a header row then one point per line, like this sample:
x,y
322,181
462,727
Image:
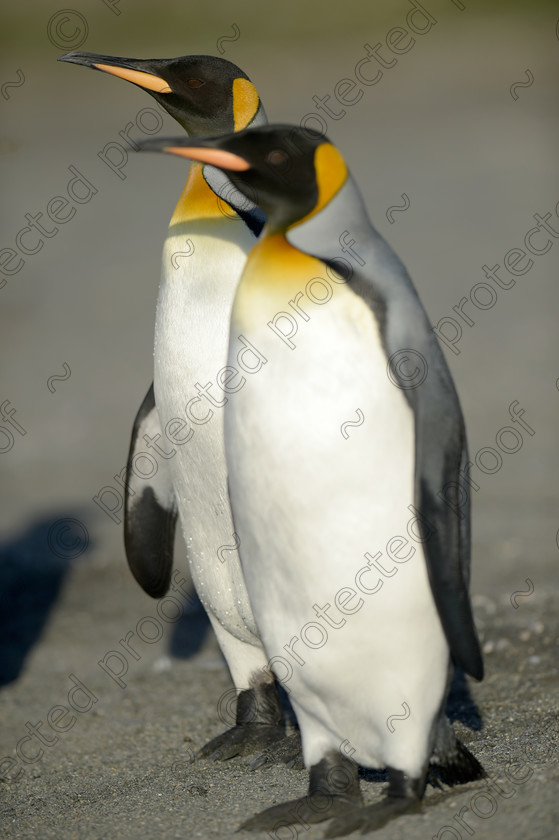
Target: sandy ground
x,y
462,129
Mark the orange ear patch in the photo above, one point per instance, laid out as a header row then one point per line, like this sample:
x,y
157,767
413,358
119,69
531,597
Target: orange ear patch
x,y
330,173
245,102
137,77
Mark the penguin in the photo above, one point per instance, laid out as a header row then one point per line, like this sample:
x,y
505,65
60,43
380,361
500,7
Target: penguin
x,y
209,236
365,650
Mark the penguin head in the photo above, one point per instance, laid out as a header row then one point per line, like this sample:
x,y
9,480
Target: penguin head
x,y
206,95
291,173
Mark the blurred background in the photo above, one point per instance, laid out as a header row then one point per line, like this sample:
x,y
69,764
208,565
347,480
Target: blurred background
x,y
454,150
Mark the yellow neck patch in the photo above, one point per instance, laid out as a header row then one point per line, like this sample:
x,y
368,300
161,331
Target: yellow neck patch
x,y
274,273
245,103
275,266
331,174
197,200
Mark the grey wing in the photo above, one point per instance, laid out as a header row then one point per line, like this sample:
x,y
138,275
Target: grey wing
x,y
341,232
442,491
443,498
150,511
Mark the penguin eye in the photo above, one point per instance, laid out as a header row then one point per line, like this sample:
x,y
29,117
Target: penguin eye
x,y
195,83
277,157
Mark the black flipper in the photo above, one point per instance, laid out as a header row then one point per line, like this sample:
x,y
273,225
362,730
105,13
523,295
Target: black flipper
x,y
150,511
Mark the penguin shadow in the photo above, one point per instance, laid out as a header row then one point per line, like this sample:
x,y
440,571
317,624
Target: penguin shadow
x,y
33,568
191,630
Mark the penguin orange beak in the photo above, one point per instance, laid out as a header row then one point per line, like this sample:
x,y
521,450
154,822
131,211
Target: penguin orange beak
x,y
203,154
123,68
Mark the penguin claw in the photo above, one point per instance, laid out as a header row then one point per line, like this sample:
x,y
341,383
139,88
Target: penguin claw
x,y
344,825
242,739
371,817
285,751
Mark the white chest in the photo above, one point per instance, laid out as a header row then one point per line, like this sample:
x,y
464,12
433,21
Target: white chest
x,y
294,463
312,498
199,277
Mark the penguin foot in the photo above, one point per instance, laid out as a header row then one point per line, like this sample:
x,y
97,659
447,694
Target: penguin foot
x,y
402,796
244,739
304,811
259,723
370,818
333,792
287,751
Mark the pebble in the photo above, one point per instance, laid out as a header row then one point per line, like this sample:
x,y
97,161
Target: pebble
x,y
162,663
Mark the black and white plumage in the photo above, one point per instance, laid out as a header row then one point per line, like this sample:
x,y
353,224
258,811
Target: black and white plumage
x,y
309,503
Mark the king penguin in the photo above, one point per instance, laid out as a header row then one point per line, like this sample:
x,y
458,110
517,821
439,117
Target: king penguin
x,y
311,500
180,421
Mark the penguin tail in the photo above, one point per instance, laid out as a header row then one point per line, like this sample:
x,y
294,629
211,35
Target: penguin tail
x,y
457,768
451,761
